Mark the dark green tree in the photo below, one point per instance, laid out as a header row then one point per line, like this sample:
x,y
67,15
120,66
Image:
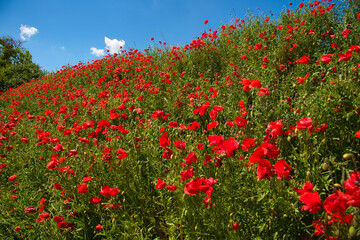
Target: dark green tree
x,y
16,65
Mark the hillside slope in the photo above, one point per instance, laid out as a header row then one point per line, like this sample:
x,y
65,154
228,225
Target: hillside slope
x,y
211,140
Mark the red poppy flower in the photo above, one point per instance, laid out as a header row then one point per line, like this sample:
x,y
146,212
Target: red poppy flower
x,y
98,228
357,134
164,141
82,188
157,114
63,109
207,189
171,187
311,200
240,122
87,179
180,145
276,128
160,184
307,187
264,169
229,146
301,80
44,216
305,123
282,169
215,140
57,186
326,58
336,202
304,60
257,46
271,150
207,202
353,183
235,226
109,192
200,146
192,188
12,178
113,114
190,158
247,143
103,123
30,210
212,125
320,228
95,200
189,173
203,108
341,218
193,126
121,153
167,153
173,124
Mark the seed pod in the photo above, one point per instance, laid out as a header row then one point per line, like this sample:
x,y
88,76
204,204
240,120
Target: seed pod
x,y
308,174
289,138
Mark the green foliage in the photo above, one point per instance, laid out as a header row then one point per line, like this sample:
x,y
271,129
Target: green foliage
x,y
103,109
16,66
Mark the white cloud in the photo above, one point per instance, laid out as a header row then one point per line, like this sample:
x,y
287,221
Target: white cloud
x,y
62,48
26,32
113,45
97,52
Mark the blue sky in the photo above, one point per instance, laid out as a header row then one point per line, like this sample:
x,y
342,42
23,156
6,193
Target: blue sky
x,y
63,32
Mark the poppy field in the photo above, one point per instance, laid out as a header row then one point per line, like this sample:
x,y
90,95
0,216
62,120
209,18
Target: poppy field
x,y
250,131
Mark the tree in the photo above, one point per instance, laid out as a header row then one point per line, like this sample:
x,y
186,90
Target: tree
x,y
16,65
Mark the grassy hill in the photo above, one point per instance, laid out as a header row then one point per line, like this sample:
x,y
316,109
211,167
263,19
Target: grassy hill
x,y
250,131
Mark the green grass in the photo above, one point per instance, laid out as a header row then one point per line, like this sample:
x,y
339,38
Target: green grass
x,y
106,119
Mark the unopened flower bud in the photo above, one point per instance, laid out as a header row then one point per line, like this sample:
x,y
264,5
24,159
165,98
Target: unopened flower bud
x,y
325,166
348,156
352,231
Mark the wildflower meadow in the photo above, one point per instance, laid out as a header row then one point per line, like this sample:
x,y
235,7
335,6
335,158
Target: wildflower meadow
x,y
250,131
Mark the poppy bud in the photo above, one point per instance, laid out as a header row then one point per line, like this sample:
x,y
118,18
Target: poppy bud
x,y
325,166
342,181
347,156
336,185
352,231
308,174
336,233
